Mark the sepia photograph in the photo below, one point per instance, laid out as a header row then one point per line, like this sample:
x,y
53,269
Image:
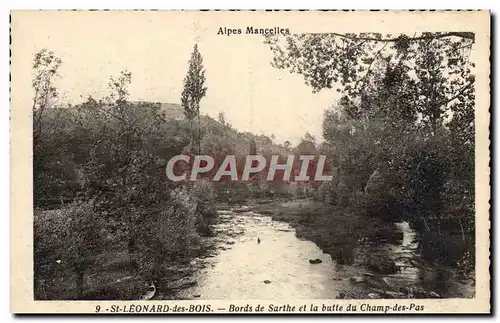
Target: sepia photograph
x,y
339,164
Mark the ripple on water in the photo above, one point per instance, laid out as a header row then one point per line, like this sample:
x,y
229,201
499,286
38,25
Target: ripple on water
x,y
241,266
280,258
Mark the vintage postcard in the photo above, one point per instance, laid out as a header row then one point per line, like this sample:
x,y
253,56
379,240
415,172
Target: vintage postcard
x,y
250,162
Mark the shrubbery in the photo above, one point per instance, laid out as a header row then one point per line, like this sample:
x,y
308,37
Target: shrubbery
x,y
405,114
102,166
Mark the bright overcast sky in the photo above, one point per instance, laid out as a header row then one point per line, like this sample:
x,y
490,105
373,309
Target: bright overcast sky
x,y
241,82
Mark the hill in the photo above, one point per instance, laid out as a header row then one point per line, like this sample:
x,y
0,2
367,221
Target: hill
x,y
240,140
174,111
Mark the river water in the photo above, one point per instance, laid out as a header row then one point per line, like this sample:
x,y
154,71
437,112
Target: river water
x,y
278,267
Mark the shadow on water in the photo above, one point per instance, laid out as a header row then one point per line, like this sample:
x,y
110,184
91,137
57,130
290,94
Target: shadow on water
x,y
255,257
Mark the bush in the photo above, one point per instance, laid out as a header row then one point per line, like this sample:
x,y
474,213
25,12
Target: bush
x,y
168,235
65,240
203,195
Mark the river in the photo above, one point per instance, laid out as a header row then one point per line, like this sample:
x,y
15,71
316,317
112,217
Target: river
x,y
278,267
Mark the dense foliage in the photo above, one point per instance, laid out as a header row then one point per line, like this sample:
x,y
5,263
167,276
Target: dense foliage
x,y
194,91
399,140
402,131
101,164
100,182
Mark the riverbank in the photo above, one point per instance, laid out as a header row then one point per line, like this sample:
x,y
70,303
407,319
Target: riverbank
x,y
384,256
267,250
263,240
112,276
111,271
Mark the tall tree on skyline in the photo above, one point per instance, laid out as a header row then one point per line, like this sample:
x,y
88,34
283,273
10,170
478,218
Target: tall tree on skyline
x,y
45,68
194,90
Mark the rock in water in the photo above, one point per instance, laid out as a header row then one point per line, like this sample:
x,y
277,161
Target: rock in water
x,y
315,261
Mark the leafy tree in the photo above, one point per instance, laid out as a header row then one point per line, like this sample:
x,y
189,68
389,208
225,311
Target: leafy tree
x,y
45,67
402,131
82,234
252,147
221,118
349,62
119,88
194,89
105,159
309,137
307,145
119,167
50,140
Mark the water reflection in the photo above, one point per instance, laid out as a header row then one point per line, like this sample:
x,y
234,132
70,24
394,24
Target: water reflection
x,y
276,268
279,266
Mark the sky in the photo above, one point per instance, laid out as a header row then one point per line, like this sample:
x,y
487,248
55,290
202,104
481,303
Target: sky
x,y
156,49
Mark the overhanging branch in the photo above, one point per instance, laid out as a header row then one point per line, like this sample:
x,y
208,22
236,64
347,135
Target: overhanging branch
x,y
460,92
465,35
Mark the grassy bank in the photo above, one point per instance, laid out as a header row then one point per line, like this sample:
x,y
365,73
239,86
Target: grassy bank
x,y
113,277
74,261
354,238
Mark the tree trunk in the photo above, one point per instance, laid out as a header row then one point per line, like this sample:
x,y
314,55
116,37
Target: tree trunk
x,y
199,133
79,284
191,132
461,227
131,249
